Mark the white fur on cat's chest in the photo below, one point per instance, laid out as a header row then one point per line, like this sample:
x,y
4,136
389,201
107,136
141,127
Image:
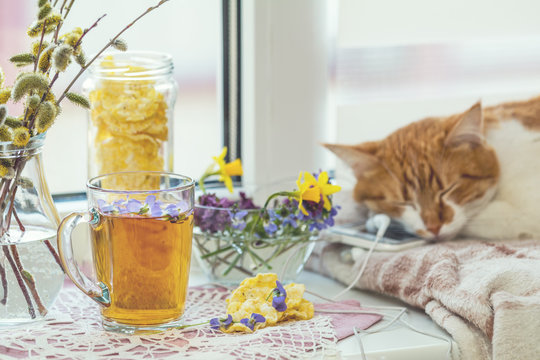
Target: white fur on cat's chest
x,y
513,212
518,151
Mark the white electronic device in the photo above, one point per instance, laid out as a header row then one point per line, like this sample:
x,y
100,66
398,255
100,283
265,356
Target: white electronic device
x,y
394,239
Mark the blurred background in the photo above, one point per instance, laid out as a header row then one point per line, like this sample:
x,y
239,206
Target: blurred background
x,y
307,71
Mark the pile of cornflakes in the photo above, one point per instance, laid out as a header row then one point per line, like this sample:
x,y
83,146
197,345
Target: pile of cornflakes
x,y
255,295
131,125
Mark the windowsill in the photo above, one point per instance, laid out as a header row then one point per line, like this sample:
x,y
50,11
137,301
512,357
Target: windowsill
x,y
396,343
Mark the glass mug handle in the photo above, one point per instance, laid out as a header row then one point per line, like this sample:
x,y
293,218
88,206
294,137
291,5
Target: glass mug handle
x,y
99,292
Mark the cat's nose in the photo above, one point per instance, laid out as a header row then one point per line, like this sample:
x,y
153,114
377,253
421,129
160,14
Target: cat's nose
x,y
434,228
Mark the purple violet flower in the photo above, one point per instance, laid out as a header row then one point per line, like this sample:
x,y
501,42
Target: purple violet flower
x,y
155,210
122,210
240,215
290,220
118,203
150,200
245,202
133,206
172,210
279,296
239,226
273,215
271,228
182,206
254,319
217,323
104,207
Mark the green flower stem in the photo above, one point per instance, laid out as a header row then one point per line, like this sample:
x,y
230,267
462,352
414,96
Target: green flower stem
x,y
275,195
239,268
191,325
262,262
232,265
218,251
263,210
203,177
281,251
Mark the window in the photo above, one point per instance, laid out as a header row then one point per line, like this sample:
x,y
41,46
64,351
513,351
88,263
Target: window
x,y
397,62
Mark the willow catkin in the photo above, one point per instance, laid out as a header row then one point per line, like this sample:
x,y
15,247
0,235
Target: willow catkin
x,y
29,82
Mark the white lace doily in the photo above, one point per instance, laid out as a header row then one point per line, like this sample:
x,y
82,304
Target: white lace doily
x,y
73,331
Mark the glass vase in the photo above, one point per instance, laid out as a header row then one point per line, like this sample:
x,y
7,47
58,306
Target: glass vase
x,y
30,272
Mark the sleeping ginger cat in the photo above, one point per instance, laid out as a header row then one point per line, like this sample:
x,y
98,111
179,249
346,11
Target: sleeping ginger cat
x,y
473,174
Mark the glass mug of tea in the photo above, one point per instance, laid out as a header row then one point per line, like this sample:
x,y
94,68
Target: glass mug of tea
x,y
141,226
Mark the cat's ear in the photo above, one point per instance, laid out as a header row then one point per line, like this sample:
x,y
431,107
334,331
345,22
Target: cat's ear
x,y
355,156
470,129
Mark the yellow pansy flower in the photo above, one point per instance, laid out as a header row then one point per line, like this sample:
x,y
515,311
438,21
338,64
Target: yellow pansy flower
x,y
308,190
326,189
226,170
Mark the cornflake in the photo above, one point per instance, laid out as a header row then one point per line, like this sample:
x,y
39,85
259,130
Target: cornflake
x,y
131,124
254,295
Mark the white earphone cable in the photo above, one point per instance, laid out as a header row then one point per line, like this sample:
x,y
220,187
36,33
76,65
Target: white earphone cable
x,y
381,222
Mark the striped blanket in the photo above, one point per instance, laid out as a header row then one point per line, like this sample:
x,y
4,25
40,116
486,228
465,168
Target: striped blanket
x,y
486,295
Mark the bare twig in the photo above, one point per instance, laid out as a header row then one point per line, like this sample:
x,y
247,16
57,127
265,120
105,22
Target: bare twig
x,y
39,48
20,281
52,250
83,69
87,30
29,280
57,31
21,226
68,8
13,191
4,284
3,204
62,7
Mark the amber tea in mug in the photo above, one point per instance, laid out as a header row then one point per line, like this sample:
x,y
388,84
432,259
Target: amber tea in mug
x,y
145,263
141,248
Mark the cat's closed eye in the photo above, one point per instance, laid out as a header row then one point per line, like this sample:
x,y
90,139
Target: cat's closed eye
x,y
410,204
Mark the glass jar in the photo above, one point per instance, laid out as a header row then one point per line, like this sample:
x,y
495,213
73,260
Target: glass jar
x,y
30,272
132,96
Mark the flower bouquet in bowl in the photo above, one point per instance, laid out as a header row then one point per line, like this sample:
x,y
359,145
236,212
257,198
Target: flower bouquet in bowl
x,y
235,238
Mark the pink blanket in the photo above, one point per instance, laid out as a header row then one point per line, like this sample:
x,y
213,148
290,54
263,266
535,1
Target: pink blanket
x,y
486,295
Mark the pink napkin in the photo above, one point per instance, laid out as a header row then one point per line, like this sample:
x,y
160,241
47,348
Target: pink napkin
x,y
344,322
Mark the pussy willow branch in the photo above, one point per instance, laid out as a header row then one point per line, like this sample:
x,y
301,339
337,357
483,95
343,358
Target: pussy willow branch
x,y
40,46
83,69
4,284
54,254
21,226
62,7
12,193
57,31
87,30
68,8
29,281
20,281
32,119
